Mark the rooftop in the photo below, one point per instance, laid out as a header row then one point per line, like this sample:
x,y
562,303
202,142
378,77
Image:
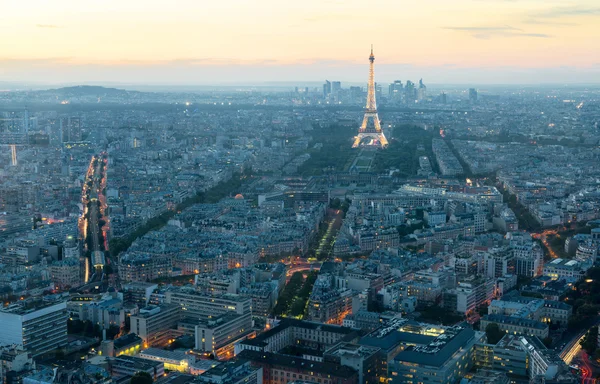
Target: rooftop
x,y
289,322
352,350
275,359
177,355
518,321
440,349
126,340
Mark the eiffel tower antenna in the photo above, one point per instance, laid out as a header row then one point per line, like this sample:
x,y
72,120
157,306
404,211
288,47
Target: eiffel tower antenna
x,y
371,127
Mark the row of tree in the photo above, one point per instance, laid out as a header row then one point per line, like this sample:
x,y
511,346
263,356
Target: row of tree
x,y
213,195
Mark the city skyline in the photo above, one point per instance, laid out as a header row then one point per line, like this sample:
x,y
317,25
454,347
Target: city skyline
x,y
467,41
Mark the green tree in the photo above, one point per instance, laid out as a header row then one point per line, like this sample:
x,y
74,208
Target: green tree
x,y
493,333
141,378
590,341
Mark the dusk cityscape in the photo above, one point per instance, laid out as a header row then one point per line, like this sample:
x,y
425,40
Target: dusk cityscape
x,y
320,192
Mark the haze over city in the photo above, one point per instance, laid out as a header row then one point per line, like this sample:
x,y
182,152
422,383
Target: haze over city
x,y
206,42
300,192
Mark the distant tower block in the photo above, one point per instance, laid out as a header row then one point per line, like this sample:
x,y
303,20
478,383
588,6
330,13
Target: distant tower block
x,y
370,133
13,155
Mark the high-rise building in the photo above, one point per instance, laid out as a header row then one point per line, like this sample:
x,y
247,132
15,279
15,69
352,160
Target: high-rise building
x,y
443,98
421,92
356,92
395,91
326,89
472,95
38,327
410,92
336,87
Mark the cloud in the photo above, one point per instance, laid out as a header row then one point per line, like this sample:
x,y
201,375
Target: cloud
x,y
499,31
541,35
553,23
47,26
568,12
483,29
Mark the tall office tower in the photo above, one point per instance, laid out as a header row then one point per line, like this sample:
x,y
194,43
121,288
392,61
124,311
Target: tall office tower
x,y
356,92
378,91
371,128
472,95
443,98
326,89
336,87
421,91
395,90
410,94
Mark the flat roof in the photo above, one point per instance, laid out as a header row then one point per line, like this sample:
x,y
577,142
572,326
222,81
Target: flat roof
x,y
518,321
395,338
126,340
289,322
440,350
276,359
165,354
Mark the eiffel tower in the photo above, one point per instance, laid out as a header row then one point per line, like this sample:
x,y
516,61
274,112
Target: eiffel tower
x,y
370,128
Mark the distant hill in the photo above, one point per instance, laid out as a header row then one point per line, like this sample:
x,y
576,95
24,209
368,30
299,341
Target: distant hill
x,y
91,90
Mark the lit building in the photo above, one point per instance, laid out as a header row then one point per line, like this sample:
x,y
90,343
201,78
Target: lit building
x,y
144,267
444,360
233,372
129,344
569,270
516,325
289,331
219,334
197,304
173,360
39,328
151,322
104,311
330,301
469,295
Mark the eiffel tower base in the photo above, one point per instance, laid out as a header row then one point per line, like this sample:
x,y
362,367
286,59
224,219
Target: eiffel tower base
x,y
377,137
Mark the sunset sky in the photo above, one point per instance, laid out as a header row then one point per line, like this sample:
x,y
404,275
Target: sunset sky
x,y
225,41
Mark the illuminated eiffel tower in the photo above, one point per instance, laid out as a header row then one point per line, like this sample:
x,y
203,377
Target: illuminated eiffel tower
x,y
370,128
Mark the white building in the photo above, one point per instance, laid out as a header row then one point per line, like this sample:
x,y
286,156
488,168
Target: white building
x,y
38,329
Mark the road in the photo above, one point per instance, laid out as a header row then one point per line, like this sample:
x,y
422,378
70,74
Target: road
x,y
300,266
94,203
572,349
326,242
543,237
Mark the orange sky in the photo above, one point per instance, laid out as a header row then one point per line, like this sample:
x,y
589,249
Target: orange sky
x,y
59,34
